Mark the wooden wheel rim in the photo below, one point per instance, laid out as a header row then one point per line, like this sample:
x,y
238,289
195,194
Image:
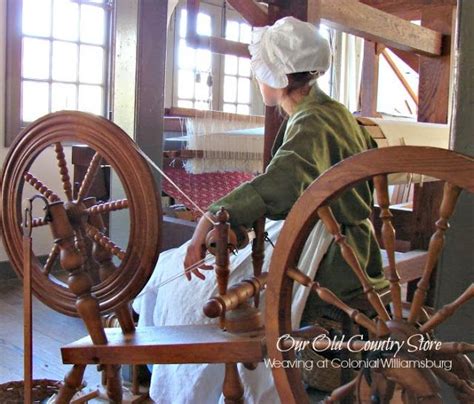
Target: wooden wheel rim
x,y
119,150
438,163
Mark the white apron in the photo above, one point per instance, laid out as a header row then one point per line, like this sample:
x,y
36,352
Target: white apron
x,y
180,302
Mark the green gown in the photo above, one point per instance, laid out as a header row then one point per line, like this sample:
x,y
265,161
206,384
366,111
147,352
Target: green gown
x,y
320,133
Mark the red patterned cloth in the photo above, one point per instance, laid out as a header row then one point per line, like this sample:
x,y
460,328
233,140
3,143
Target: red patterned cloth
x,y
203,189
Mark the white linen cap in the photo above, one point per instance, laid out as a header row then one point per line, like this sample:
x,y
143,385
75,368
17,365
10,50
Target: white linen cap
x,y
288,46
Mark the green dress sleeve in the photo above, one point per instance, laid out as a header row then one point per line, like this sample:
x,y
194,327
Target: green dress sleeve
x,y
302,157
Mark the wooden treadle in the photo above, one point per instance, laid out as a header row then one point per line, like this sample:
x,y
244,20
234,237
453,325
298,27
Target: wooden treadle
x,y
166,345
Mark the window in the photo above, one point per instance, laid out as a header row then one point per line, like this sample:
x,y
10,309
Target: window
x,y
237,82
203,80
57,58
194,72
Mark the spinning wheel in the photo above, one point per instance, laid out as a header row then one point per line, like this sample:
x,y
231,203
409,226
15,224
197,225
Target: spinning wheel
x,y
79,214
416,384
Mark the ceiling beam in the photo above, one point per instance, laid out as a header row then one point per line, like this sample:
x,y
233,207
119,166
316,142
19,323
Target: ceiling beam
x,y
251,12
400,6
369,23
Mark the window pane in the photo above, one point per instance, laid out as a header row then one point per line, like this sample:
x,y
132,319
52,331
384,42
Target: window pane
x,y
36,17
201,105
203,60
229,108
232,30
91,64
231,64
65,20
35,62
186,55
243,109
92,24
90,99
202,90
186,84
244,67
230,88
204,26
63,96
185,104
64,61
245,33
244,91
35,100
183,23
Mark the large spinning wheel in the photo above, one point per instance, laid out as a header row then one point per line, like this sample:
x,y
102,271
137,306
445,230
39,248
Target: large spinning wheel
x,y
118,272
417,384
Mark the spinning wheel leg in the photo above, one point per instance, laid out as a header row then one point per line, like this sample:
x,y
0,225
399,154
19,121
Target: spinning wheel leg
x,y
72,383
233,389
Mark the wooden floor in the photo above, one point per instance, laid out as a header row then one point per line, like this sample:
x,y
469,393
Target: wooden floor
x,y
51,330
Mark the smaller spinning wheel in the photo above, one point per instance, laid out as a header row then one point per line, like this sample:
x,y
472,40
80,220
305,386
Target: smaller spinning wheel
x,y
416,384
118,271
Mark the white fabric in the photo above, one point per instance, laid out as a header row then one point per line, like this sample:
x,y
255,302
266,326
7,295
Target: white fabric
x,y
181,302
288,46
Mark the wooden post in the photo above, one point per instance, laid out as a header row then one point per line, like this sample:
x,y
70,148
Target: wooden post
x,y
370,80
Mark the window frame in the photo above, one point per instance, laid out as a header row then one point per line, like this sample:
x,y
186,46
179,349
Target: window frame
x,y
13,73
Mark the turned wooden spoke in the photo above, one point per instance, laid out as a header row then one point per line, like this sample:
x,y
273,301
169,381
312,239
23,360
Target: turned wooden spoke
x,y
53,255
338,394
329,297
38,222
455,348
42,188
108,207
105,242
463,387
450,196
63,171
349,256
388,238
447,310
89,177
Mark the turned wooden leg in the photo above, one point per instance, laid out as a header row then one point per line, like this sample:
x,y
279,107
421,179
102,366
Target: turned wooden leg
x,y
72,383
114,383
233,389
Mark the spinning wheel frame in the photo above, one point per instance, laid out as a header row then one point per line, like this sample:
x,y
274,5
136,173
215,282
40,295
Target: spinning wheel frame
x,y
121,153
438,163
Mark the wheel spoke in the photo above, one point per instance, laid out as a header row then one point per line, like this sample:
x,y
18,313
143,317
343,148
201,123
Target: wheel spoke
x,y
53,255
461,386
388,237
455,348
38,222
447,310
329,297
108,207
349,256
450,196
41,187
89,177
105,242
63,170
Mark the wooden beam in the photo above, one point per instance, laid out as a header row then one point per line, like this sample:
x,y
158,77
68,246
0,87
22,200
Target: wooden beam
x,y
150,78
370,80
359,19
400,76
435,74
403,6
219,45
251,12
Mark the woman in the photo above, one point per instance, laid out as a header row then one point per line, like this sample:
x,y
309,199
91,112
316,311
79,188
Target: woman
x,y
287,58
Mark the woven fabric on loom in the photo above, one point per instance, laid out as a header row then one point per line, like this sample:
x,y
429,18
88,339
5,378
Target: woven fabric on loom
x,y
203,189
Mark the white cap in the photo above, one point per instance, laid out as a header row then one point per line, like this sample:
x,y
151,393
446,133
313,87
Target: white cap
x,y
288,46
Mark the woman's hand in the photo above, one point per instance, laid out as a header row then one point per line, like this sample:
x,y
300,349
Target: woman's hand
x,y
197,248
